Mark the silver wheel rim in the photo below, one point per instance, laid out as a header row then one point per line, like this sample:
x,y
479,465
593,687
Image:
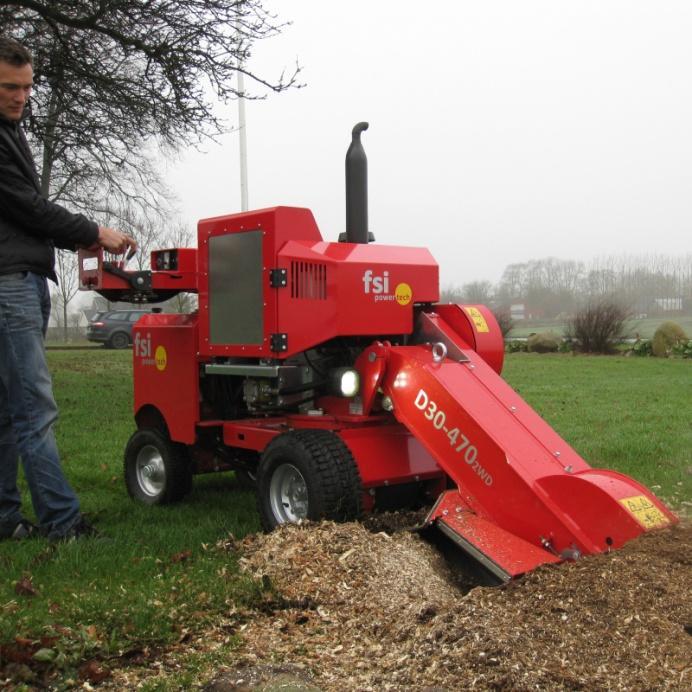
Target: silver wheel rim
x,y
288,495
151,471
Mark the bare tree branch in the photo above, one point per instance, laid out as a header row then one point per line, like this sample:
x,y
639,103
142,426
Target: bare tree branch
x,y
117,80
114,77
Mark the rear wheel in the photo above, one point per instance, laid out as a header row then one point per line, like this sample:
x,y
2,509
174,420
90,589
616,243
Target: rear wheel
x,y
157,470
307,474
119,340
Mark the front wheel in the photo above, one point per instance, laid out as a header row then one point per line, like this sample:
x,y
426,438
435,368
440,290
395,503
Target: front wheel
x,y
157,470
307,474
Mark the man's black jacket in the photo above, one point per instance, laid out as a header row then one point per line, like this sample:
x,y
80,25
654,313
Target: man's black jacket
x,y
31,225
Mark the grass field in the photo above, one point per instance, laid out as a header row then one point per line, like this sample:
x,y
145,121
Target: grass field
x,y
158,573
630,414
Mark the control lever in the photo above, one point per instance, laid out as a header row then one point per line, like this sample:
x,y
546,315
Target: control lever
x,y
130,254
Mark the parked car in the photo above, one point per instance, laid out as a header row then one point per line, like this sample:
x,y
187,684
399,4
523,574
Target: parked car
x,y
114,328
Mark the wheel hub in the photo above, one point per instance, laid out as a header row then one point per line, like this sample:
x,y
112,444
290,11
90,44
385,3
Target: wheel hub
x,y
288,494
151,472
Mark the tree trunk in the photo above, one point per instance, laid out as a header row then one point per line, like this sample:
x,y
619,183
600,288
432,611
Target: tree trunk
x,y
49,143
64,322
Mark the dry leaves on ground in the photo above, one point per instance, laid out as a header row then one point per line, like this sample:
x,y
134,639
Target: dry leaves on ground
x,y
383,612
374,610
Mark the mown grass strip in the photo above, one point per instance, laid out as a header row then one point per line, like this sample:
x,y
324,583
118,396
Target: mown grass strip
x,y
628,414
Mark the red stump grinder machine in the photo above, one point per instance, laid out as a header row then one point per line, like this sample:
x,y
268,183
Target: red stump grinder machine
x,y
328,373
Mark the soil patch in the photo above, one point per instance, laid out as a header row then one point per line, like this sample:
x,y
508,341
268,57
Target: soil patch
x,y
384,612
353,609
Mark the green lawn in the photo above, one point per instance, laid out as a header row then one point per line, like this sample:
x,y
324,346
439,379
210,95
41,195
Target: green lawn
x,y
633,415
159,572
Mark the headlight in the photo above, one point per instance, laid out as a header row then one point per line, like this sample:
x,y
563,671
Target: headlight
x,y
345,382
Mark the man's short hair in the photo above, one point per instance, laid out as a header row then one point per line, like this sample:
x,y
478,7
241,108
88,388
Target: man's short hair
x,y
13,52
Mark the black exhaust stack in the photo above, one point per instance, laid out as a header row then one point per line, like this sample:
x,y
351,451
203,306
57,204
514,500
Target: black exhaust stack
x,y
357,190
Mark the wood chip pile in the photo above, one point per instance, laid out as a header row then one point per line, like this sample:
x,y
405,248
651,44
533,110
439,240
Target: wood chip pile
x,y
373,611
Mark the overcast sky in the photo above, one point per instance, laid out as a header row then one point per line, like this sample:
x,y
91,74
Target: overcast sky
x,y
500,131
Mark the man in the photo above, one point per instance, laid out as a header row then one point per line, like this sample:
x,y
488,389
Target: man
x,y
31,227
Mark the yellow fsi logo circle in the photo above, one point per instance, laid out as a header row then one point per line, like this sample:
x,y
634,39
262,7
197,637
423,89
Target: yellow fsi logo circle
x,y
160,358
403,294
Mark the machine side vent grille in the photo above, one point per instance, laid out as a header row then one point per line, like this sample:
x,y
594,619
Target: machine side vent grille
x,y
309,280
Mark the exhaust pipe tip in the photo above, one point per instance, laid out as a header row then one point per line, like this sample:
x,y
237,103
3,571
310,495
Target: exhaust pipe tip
x,y
358,128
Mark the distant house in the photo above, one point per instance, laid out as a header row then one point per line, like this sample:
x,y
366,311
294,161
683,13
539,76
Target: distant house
x,y
668,304
517,311
522,311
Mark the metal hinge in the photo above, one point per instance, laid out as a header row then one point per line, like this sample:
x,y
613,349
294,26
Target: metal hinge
x,y
278,278
279,342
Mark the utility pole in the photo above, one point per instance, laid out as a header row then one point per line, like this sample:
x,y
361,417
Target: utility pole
x,y
242,132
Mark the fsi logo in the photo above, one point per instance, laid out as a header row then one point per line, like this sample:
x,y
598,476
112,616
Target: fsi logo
x,y
142,345
143,350
378,286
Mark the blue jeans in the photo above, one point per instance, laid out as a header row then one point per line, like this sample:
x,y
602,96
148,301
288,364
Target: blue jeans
x,y
28,410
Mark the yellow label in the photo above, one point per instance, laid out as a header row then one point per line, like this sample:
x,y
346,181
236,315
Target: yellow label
x,y
478,319
645,511
160,358
403,294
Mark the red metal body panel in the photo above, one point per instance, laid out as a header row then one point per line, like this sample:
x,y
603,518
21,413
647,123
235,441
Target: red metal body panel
x,y
91,274
386,453
476,326
252,433
505,553
343,289
278,225
93,277
510,467
333,289
185,260
371,366
183,277
166,371
389,454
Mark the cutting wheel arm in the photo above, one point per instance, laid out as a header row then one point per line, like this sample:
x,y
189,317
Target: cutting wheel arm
x,y
513,472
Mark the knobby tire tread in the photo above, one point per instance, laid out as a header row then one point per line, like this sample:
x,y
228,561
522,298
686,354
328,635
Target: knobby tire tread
x,y
338,471
334,467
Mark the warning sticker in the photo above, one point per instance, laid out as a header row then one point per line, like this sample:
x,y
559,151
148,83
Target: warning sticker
x,y
645,511
478,319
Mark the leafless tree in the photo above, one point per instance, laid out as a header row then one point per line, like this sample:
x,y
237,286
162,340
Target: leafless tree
x,y
549,284
504,320
118,81
478,292
65,291
114,79
598,326
648,284
451,294
148,226
513,283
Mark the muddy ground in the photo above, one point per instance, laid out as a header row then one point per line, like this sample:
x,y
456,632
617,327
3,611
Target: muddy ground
x,y
371,608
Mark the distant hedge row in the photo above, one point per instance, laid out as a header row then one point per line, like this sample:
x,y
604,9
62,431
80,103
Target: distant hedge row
x,y
668,340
